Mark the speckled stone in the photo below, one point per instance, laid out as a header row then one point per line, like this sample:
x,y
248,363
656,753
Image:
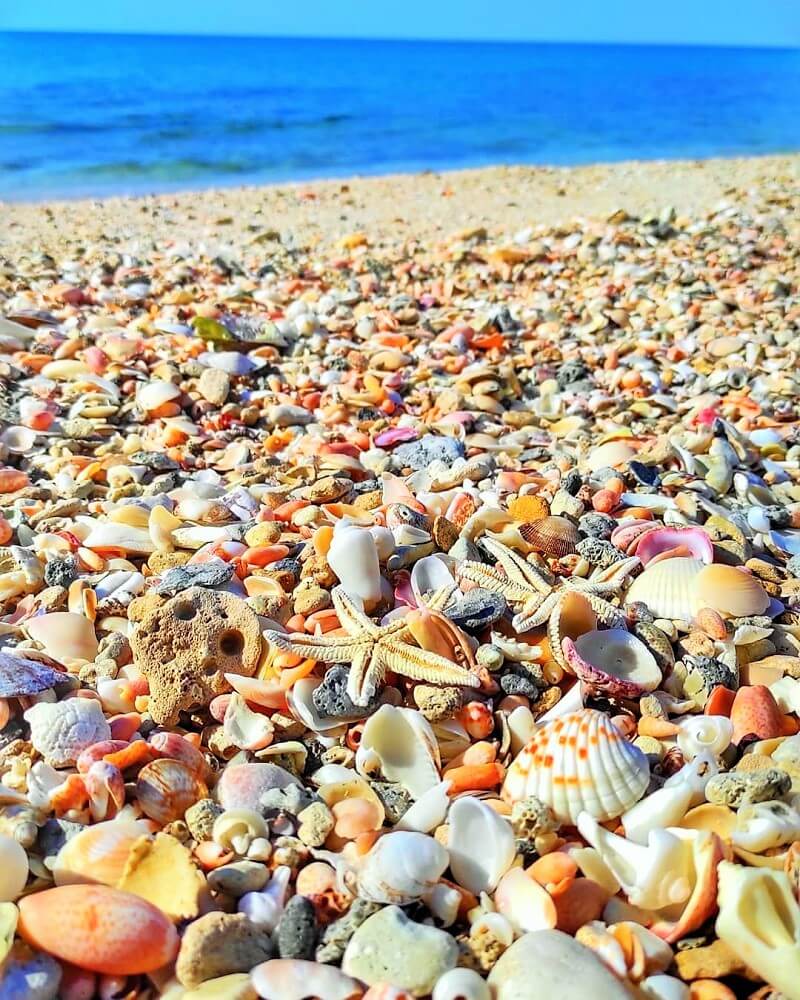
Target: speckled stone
x,y
297,930
209,574
477,609
239,877
396,800
218,944
391,948
200,818
331,698
738,788
420,454
599,552
597,525
336,936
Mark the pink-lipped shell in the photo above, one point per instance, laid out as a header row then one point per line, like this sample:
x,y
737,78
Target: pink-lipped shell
x,y
691,542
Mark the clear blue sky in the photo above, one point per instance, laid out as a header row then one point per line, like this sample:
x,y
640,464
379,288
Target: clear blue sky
x,y
715,22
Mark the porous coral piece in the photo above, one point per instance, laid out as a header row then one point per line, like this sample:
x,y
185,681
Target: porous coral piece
x,y
186,646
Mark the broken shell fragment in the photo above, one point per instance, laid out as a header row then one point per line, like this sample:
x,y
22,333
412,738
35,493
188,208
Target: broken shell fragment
x,y
400,744
481,844
612,662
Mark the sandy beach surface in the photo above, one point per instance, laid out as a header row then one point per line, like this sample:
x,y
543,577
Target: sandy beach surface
x,y
366,549
408,206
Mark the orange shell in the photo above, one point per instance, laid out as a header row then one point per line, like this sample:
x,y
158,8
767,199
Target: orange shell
x,y
98,928
553,536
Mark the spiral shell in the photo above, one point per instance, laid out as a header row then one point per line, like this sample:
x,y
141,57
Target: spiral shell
x,y
579,763
166,788
553,536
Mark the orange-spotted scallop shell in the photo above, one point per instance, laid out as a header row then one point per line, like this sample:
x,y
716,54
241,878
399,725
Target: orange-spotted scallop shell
x,y
579,763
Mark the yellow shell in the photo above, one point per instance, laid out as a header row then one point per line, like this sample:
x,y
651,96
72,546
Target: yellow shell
x,y
730,591
573,616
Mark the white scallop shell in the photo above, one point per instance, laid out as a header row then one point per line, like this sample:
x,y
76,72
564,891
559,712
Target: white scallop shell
x,y
481,844
666,587
400,867
579,763
400,744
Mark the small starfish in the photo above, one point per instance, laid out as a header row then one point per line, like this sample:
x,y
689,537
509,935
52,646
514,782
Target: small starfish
x,y
524,585
374,649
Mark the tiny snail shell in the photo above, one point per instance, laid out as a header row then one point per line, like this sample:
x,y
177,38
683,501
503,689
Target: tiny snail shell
x,y
704,734
461,984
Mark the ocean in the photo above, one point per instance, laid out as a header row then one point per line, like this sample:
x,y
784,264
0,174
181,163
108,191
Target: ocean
x,y
112,114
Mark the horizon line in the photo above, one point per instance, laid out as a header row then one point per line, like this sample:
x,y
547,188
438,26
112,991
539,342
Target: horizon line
x,y
404,40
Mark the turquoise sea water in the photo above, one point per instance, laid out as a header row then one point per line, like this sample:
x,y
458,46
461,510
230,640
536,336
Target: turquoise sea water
x,y
101,114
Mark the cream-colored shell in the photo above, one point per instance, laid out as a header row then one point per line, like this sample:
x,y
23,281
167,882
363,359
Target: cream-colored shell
x,y
667,588
579,763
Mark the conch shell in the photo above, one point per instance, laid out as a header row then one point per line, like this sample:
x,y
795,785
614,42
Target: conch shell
x,y
401,867
580,763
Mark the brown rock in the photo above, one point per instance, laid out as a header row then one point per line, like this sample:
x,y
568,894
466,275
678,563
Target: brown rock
x,y
214,386
219,944
710,962
186,645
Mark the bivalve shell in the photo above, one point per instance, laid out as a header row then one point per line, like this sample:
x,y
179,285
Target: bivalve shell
x,y
731,591
612,662
553,536
579,763
667,588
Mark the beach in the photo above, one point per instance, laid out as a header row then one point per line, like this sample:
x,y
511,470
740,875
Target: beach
x,y
400,588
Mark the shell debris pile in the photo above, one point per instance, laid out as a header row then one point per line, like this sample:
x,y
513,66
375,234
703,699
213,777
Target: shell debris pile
x,y
404,620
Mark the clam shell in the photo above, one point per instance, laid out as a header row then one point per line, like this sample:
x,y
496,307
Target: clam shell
x,y
695,540
667,588
730,591
400,867
97,854
613,662
554,536
400,743
113,535
65,636
353,557
579,763
610,455
155,393
481,844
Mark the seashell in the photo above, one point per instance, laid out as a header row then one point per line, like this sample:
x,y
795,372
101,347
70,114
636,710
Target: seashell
x,y
579,763
668,805
759,919
98,853
160,526
233,363
301,702
704,734
296,979
353,557
401,867
242,785
166,788
61,730
683,542
716,819
572,617
125,537
265,907
755,713
19,676
428,812
666,588
707,852
355,806
13,869
18,440
610,455
429,575
732,592
461,984
763,825
612,662
400,744
554,536
112,932
161,870
524,902
153,394
236,829
64,636
246,729
481,844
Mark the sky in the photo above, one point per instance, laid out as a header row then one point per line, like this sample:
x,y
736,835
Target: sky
x,y
710,22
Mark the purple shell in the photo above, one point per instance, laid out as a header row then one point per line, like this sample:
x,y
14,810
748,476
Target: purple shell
x,y
624,667
395,435
20,677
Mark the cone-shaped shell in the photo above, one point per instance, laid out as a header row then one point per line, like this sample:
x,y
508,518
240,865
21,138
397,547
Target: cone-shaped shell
x,y
613,662
730,591
553,536
667,588
98,928
579,763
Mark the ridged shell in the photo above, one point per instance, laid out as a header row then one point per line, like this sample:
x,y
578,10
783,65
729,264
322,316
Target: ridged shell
x,y
730,591
97,854
579,763
553,536
667,588
166,788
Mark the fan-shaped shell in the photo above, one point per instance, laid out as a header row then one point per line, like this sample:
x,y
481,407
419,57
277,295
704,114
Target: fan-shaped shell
x,y
553,536
579,763
400,867
98,854
667,588
610,455
730,591
613,662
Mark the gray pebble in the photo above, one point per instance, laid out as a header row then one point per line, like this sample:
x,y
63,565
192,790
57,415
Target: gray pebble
x,y
420,454
297,930
396,800
61,572
238,878
519,684
336,935
598,552
213,573
477,609
739,788
331,697
292,799
597,525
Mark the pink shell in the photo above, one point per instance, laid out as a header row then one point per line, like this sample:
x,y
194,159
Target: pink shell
x,y
621,666
395,435
693,542
628,531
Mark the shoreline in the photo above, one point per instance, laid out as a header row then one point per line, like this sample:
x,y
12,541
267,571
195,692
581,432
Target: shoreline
x,y
401,206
